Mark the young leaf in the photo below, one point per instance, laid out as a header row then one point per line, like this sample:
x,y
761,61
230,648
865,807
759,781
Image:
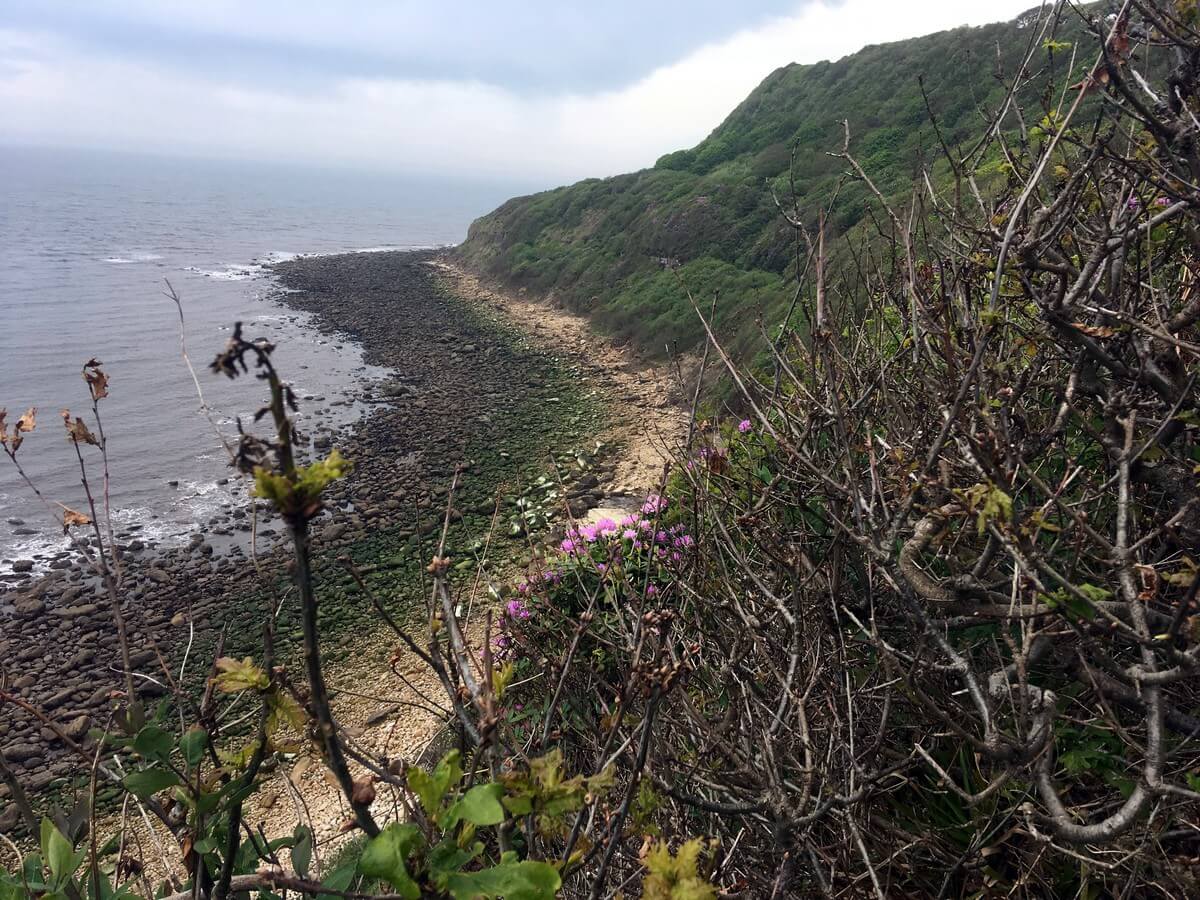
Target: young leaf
x,y
153,743
512,880
385,854
149,782
431,787
58,853
192,745
339,880
240,676
675,877
302,850
479,806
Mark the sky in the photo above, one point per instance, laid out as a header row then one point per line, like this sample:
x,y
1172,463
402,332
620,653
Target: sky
x,y
536,90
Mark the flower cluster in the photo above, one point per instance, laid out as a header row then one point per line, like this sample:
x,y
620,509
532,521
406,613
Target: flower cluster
x,y
639,556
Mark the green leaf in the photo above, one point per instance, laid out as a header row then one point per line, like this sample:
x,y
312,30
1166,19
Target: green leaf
x,y
385,854
676,877
302,850
192,745
149,782
447,858
527,880
431,787
479,806
58,853
519,804
153,743
240,675
339,880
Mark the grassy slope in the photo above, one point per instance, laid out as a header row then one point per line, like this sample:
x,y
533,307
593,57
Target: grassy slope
x,y
597,244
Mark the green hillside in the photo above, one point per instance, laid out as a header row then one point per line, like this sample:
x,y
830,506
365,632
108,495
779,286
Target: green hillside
x,y
622,248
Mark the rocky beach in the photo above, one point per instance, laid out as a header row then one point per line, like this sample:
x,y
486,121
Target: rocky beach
x,y
505,390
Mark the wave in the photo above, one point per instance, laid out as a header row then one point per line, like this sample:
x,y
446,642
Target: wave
x,y
232,272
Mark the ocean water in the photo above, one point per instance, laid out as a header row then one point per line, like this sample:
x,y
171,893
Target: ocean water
x,y
88,241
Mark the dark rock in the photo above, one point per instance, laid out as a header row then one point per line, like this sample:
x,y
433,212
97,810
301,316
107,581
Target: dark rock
x,y
10,816
21,753
27,607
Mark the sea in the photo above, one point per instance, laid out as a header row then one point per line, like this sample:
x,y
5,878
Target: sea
x,y
90,244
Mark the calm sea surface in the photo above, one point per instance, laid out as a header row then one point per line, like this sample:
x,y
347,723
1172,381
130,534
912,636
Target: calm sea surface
x,y
87,241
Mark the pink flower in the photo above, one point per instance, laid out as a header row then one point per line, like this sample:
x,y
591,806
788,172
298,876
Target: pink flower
x,y
655,503
651,591
516,609
744,426
629,534
606,526
567,546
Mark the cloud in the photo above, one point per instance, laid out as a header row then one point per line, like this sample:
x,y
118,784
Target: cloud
x,y
51,91
535,46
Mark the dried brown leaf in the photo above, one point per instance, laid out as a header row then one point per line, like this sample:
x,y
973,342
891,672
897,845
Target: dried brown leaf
x,y
77,430
1096,331
26,423
364,791
96,379
74,517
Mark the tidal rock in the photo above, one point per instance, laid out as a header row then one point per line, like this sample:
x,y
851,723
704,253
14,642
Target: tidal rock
x,y
158,576
28,607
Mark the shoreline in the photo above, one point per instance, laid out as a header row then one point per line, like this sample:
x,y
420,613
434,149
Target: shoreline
x,y
472,360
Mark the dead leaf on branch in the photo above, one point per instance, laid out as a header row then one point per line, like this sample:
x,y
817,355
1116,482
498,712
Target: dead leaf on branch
x,y
1096,331
97,380
24,424
73,517
364,791
77,430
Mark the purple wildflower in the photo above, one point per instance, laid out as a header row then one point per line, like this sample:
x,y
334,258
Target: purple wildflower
x,y
744,426
655,503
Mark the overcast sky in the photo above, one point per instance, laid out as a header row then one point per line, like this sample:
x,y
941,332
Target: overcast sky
x,y
544,90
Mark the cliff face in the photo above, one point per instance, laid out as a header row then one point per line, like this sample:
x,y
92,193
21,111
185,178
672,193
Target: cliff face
x,y
627,249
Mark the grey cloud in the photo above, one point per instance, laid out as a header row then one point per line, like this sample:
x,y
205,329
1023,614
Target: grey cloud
x,y
536,46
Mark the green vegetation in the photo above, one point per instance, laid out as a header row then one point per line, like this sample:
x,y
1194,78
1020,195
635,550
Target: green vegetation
x,y
609,247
